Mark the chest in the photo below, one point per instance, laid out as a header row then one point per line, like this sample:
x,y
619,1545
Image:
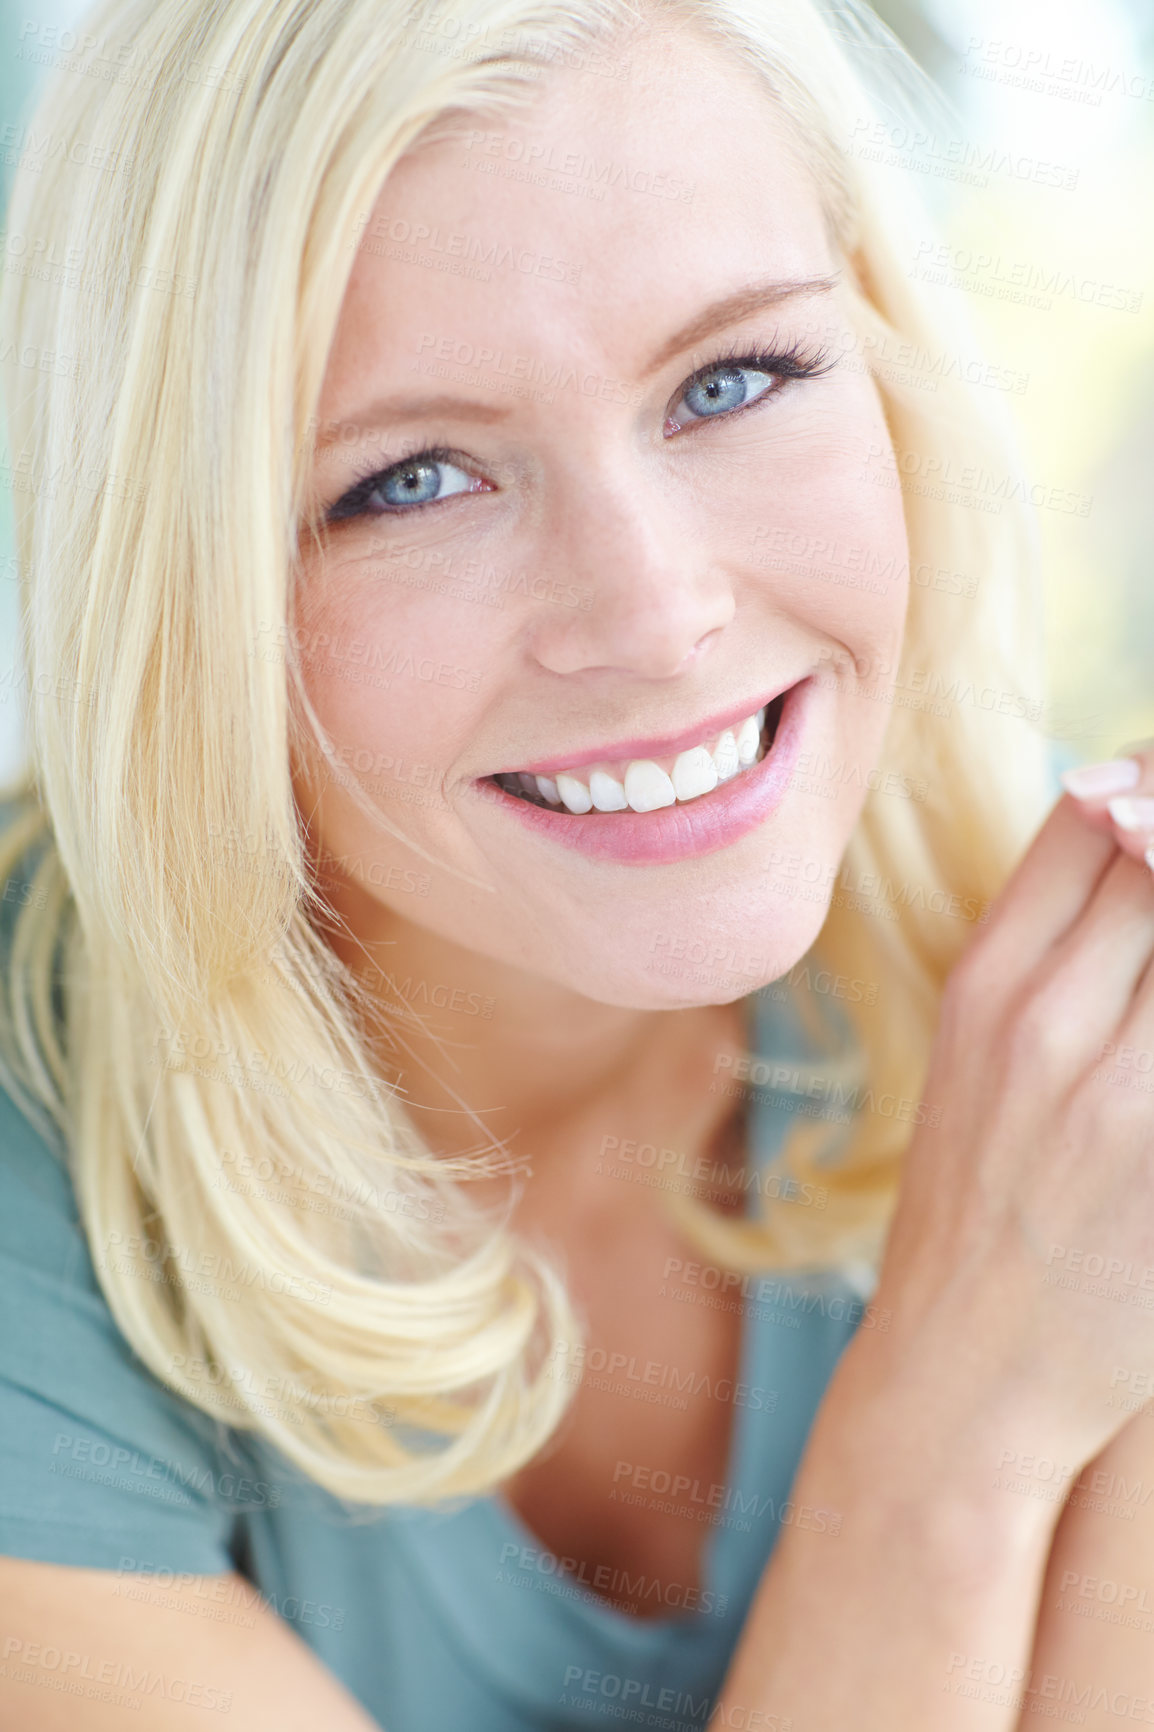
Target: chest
x,y
648,1442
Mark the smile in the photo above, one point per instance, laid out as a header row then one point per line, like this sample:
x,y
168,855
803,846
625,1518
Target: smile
x,y
647,784
678,824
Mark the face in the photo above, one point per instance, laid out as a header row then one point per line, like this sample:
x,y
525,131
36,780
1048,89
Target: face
x,y
593,458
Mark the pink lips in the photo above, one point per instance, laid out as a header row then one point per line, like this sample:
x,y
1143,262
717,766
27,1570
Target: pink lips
x,y
680,832
651,746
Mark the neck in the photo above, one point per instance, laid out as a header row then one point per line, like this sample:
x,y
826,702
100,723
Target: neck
x,y
464,1033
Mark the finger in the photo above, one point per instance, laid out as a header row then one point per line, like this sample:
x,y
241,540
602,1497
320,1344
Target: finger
x,y
1050,889
1132,816
1135,1052
1101,964
1094,784
1118,796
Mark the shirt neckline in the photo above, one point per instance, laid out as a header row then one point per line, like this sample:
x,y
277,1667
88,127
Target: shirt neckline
x,y
657,1631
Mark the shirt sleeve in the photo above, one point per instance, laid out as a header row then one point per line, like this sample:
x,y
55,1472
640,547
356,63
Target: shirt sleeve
x,y
101,1466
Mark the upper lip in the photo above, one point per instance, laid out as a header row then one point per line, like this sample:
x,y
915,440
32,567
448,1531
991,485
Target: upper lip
x,y
654,745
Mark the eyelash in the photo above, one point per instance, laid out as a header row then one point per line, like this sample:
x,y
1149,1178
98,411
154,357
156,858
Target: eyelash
x,y
793,362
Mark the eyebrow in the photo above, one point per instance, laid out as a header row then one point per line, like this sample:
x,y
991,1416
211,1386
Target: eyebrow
x,y
742,304
729,310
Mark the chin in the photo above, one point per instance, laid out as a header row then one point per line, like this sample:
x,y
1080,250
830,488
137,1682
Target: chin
x,y
717,962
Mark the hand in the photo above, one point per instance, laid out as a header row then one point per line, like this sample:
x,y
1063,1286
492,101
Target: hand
x,y
1022,1249
1117,798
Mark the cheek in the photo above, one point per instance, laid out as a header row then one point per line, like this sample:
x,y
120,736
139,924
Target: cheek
x,y
827,543
391,691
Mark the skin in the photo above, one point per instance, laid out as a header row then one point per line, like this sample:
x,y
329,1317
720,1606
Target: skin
x,y
588,1036
665,532
1100,1560
665,537
682,614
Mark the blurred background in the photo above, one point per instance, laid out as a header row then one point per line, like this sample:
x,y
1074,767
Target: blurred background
x,y
1053,257
1058,278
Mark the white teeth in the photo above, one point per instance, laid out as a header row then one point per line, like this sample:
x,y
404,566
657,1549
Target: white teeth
x,y
725,756
607,793
694,773
647,786
748,736
574,793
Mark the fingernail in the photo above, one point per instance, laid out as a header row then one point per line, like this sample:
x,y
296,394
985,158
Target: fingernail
x,y
1150,856
1131,813
1091,780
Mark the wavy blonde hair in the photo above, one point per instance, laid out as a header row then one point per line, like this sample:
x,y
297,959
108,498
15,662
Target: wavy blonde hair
x,y
410,1340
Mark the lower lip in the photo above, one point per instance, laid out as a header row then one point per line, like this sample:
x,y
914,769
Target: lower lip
x,y
681,832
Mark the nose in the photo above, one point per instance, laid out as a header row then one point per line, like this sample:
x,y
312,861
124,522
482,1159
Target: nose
x,y
638,592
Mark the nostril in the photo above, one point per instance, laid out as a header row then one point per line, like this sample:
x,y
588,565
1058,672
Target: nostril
x,y
698,648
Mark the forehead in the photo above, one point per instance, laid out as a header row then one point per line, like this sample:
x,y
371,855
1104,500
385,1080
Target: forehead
x,y
603,215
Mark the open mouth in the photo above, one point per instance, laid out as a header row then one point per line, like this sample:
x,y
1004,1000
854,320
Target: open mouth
x,y
647,784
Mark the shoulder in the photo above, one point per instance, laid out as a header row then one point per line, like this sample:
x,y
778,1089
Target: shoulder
x,y
98,1460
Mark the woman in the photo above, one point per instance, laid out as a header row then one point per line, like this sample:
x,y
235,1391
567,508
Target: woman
x,y
442,739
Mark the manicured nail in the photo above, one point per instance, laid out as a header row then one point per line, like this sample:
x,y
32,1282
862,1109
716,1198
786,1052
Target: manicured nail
x,y
1150,856
1090,781
1131,812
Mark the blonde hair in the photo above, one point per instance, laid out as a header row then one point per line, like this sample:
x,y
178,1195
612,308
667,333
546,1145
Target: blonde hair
x,y
411,1342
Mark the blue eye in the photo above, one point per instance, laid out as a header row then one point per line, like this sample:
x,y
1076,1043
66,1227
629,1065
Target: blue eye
x,y
724,384
422,479
723,388
414,484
